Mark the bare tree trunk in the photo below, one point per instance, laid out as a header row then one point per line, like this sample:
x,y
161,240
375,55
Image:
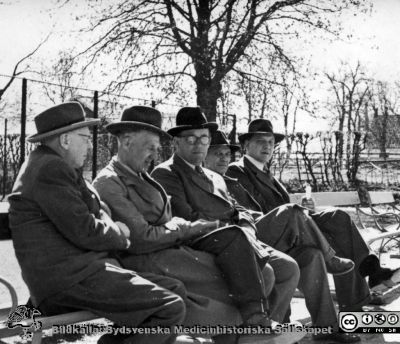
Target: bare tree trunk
x,y
207,97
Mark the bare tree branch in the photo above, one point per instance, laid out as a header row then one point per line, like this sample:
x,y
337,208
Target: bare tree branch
x,y
17,72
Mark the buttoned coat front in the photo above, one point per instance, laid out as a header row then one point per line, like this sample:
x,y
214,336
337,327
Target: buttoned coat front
x,y
144,207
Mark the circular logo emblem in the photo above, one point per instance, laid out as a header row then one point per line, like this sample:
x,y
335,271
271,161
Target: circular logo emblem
x,y
348,322
380,318
367,319
392,319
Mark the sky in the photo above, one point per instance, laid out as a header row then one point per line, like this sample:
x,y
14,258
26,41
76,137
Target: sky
x,y
375,38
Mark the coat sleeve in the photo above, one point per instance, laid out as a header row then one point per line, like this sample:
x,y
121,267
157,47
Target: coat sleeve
x,y
174,187
60,199
145,237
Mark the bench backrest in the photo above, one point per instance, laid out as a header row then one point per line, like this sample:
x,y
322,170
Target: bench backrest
x,y
322,199
380,197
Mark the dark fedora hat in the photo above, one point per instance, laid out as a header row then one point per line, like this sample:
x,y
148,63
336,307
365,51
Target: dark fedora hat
x,y
260,126
218,138
138,117
191,118
60,119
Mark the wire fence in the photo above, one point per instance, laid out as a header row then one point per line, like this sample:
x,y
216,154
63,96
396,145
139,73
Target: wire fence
x,y
25,98
28,97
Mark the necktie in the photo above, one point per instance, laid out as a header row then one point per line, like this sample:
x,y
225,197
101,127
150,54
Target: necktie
x,y
200,171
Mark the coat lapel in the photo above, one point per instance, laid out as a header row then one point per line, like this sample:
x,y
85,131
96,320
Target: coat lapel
x,y
282,190
133,180
195,177
261,175
211,186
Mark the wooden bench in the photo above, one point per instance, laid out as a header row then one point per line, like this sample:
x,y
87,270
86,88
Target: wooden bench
x,y
351,198
47,322
390,232
330,199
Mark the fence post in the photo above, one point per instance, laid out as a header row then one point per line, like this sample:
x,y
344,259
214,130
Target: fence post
x,y
5,159
95,115
153,103
23,122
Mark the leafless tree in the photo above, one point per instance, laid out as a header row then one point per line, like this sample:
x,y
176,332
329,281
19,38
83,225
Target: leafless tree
x,y
350,88
385,103
167,41
19,68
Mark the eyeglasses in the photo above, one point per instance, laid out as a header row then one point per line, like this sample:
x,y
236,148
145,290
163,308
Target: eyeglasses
x,y
192,139
88,137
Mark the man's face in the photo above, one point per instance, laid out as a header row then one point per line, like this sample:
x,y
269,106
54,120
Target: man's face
x,y
139,149
189,145
261,147
80,141
218,159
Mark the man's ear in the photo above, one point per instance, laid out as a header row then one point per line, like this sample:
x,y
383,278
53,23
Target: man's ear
x,y
245,145
175,142
126,141
64,140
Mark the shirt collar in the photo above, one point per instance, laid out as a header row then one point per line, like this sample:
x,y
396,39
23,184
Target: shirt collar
x,y
255,162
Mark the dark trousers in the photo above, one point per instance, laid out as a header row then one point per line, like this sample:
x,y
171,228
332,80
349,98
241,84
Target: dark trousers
x,y
306,245
237,261
352,290
127,299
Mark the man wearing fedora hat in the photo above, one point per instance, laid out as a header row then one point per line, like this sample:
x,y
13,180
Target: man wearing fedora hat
x,y
288,230
337,227
197,193
161,242
63,237
284,228
175,246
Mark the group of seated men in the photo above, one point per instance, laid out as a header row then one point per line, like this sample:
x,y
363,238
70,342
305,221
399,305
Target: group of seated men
x,y
200,241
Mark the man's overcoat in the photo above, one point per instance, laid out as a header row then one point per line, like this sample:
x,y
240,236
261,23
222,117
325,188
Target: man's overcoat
x,y
60,234
142,204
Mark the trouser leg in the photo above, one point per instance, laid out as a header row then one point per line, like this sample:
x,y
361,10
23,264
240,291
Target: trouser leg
x,y
352,290
287,274
315,287
238,263
126,299
288,227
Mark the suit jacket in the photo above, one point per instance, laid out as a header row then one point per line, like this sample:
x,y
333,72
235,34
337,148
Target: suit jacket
x,y
158,246
264,187
241,195
60,234
193,197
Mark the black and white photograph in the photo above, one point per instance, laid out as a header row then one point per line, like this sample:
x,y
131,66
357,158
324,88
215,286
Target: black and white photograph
x,y
199,171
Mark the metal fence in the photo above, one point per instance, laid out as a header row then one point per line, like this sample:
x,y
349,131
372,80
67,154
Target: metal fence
x,y
28,97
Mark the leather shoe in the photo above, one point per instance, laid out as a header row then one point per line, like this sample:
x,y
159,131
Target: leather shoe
x,y
339,266
337,337
258,319
381,276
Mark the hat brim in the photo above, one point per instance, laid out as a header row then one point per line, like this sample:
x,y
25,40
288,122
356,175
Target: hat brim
x,y
115,128
278,137
176,130
39,137
233,148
